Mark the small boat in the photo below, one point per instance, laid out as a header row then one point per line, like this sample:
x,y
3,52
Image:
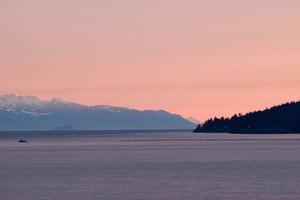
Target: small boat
x,y
22,141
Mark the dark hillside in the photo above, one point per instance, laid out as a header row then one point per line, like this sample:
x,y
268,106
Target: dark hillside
x,y
284,118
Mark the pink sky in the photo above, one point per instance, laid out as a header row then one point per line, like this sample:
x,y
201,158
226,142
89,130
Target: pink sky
x,y
198,58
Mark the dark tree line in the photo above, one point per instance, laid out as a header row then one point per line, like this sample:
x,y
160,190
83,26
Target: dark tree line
x,y
284,118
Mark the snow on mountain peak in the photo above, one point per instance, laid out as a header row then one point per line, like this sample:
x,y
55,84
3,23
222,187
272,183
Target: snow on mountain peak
x,y
14,101
30,103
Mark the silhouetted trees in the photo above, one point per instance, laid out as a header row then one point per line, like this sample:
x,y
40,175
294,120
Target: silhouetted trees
x,y
284,118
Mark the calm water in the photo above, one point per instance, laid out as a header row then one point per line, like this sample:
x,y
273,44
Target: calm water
x,y
149,166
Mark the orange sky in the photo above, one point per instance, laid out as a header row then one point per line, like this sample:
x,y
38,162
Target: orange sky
x,y
198,58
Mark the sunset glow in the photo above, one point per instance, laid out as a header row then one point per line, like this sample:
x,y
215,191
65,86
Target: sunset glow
x,y
196,58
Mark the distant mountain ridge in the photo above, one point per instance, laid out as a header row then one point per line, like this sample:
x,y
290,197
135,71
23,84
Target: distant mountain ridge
x,y
284,118
27,113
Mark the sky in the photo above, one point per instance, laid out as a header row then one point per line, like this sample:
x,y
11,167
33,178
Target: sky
x,y
197,58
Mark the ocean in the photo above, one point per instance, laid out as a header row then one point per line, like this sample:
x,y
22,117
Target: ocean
x,y
149,165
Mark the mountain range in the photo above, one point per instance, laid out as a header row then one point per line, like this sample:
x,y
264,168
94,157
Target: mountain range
x,y
283,118
27,113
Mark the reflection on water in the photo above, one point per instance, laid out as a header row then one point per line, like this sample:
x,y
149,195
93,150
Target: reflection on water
x,y
149,165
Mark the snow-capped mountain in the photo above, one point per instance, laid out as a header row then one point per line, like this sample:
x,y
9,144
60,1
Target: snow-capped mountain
x,y
31,113
12,101
33,106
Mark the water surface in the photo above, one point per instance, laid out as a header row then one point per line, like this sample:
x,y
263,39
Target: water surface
x,y
149,165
